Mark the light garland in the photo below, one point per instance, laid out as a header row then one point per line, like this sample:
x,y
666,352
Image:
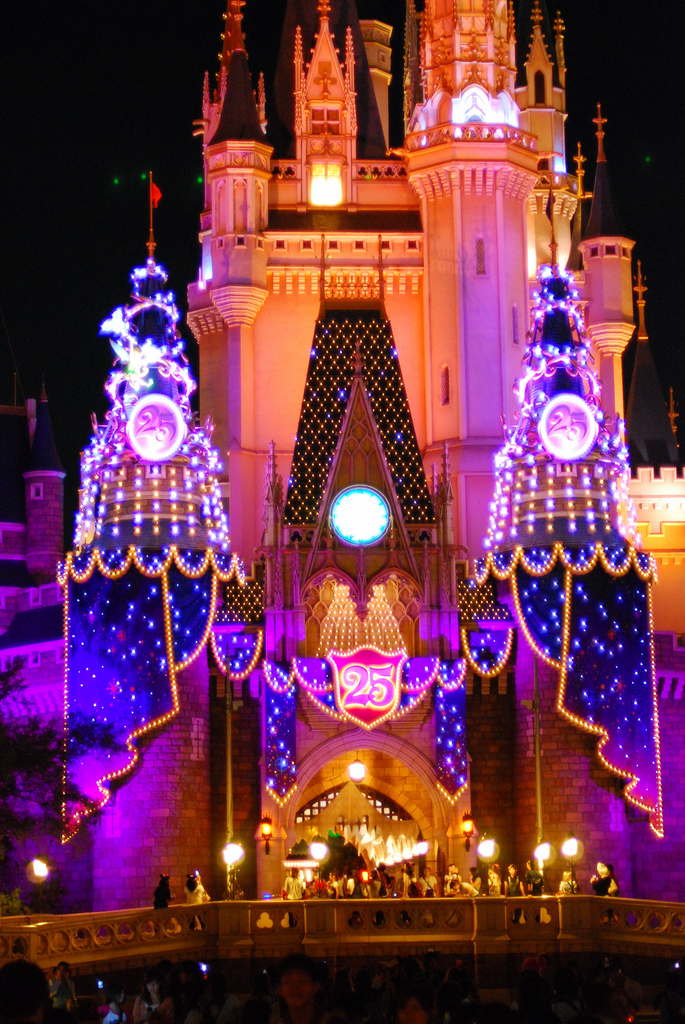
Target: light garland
x,y
479,667
238,675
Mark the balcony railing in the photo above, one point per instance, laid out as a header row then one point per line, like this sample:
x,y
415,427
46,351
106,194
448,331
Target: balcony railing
x,y
382,928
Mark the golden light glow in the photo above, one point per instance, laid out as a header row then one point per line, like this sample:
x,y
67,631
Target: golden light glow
x,y
326,185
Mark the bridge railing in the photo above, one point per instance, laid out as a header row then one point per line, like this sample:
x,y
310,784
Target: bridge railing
x,y
383,928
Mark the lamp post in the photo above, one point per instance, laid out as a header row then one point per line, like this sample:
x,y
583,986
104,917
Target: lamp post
x,y
266,831
468,827
571,850
232,853
488,850
318,851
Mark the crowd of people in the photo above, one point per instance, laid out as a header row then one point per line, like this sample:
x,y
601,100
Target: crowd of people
x,y
358,881
301,990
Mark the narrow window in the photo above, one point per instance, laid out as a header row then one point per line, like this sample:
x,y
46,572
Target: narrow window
x,y
539,89
445,385
480,256
515,323
36,492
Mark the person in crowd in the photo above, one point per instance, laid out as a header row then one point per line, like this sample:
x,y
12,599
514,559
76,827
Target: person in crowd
x,y
603,882
162,894
410,888
670,1004
301,994
473,886
24,993
222,1006
428,883
195,890
568,886
533,878
534,1001
512,885
566,1001
153,1004
255,1012
293,888
189,990
375,885
115,997
62,988
383,991
387,883
415,1005
494,880
452,884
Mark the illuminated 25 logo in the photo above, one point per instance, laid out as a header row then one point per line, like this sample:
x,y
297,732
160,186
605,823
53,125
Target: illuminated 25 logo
x,y
367,684
568,428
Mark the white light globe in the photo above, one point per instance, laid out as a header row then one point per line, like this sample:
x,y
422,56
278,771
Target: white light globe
x,y
357,771
232,854
37,870
487,849
318,851
542,852
570,848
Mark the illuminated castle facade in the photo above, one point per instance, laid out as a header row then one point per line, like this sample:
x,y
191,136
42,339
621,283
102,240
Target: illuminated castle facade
x,y
297,579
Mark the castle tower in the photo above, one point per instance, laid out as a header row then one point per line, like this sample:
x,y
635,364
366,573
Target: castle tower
x,y
607,286
472,166
541,97
44,500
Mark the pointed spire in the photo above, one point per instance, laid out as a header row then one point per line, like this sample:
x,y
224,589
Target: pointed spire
x,y
640,288
603,222
532,17
233,37
649,421
412,63
44,450
579,160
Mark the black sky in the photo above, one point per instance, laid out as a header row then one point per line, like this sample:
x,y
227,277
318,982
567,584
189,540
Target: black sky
x,y
93,91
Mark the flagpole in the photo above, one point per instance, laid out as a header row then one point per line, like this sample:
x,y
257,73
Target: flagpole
x,y
151,245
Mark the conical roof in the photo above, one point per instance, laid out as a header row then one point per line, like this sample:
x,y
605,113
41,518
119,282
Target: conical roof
x,y
604,221
650,438
239,118
343,13
44,455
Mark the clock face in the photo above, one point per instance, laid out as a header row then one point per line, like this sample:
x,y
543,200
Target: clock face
x,y
360,516
567,427
156,428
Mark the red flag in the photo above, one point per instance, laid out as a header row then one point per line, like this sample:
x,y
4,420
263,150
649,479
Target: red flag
x,y
155,195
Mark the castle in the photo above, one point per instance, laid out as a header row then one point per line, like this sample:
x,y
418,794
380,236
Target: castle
x,y
362,317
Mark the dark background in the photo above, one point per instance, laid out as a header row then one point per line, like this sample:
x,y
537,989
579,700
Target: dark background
x,y
93,90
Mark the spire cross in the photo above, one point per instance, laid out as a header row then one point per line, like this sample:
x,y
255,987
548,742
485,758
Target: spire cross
x,y
640,288
600,122
579,160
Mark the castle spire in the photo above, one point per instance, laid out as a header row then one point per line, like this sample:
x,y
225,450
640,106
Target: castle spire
x,y
603,221
233,37
640,289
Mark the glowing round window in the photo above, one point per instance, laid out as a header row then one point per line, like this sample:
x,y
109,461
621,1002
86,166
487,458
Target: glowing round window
x,y
156,429
360,515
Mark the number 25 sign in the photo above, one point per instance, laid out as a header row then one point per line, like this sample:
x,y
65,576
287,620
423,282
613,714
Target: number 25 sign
x,y
367,684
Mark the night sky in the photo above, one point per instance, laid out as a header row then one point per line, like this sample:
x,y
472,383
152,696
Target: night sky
x,y
98,91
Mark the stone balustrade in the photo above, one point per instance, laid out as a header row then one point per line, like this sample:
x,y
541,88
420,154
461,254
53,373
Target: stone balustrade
x,y
483,927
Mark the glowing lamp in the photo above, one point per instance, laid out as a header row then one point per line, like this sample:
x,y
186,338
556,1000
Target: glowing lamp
x,y
318,850
232,853
421,848
357,771
266,832
37,871
542,852
488,850
570,848
364,876
360,516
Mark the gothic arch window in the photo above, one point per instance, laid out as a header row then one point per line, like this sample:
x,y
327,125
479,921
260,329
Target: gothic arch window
x,y
383,804
480,256
539,84
445,385
240,206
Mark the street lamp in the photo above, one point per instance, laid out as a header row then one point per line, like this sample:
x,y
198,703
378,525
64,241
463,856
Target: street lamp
x,y
232,853
37,871
318,851
357,771
468,827
266,832
488,850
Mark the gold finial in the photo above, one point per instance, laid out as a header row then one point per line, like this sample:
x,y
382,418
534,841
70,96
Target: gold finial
x,y
511,20
536,13
324,8
673,414
640,288
155,196
559,27
579,160
600,122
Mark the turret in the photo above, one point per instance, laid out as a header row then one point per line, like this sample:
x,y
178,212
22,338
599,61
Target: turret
x,y
606,253
44,500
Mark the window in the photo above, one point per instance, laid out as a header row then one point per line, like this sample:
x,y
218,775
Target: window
x,y
325,121
359,245
36,492
280,243
445,385
326,187
307,244
515,324
611,250
594,250
480,256
412,244
34,659
334,244
539,89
